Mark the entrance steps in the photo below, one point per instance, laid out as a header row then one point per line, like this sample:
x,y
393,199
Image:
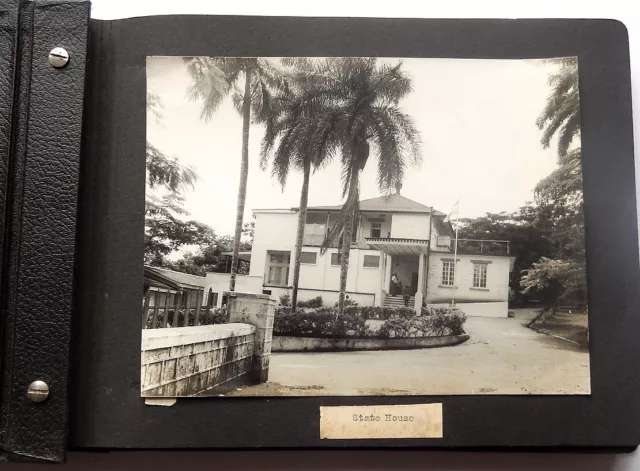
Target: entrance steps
x,y
398,301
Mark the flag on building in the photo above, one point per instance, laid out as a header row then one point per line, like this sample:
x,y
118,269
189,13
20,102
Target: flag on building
x,y
453,214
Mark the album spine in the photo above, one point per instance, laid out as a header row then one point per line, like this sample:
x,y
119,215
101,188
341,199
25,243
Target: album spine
x,y
42,74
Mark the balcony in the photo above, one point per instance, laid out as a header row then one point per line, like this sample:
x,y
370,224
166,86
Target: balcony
x,y
398,246
477,246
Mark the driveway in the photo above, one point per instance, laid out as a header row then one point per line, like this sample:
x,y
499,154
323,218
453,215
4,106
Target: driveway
x,y
502,356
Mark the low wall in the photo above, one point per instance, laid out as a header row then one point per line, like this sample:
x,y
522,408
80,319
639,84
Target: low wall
x,y
187,361
311,344
492,309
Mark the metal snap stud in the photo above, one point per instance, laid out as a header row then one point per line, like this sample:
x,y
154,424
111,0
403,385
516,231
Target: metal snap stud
x,y
38,391
58,57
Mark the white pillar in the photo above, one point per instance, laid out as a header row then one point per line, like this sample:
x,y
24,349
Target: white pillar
x,y
387,278
419,293
383,273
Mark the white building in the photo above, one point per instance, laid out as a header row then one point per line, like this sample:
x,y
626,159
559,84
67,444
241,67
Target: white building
x,y
394,235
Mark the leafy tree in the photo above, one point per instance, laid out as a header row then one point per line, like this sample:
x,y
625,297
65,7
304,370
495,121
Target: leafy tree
x,y
554,280
249,230
559,196
528,241
166,231
249,81
351,106
167,172
165,227
210,257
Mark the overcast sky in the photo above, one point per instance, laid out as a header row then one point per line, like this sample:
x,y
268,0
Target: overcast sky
x,y
476,119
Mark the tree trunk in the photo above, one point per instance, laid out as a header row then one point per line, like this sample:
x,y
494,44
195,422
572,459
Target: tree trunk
x,y
244,174
302,219
346,240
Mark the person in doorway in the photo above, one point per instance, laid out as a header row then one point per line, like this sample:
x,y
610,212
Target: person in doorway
x,y
394,284
406,294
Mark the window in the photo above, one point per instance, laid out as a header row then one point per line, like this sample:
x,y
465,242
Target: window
x,y
371,261
315,229
448,273
479,275
336,259
308,257
278,268
376,230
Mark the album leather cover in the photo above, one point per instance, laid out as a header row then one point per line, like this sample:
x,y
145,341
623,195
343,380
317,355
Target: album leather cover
x,y
267,232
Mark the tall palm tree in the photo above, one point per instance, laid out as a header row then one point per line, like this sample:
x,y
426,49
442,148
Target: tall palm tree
x,y
249,81
561,115
561,191
351,105
288,124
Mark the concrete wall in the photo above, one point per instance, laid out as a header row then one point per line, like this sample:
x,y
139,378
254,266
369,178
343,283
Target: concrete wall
x,y
219,283
211,359
259,311
410,226
490,309
187,361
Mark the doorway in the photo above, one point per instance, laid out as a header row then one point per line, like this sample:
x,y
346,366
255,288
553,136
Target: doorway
x,y
414,283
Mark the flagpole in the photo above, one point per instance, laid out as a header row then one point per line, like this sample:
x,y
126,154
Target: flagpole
x,y
455,259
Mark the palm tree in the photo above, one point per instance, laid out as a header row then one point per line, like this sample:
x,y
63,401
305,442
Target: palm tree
x,y
249,81
292,110
351,104
561,115
561,191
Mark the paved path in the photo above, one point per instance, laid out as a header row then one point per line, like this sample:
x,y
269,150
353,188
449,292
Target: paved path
x,y
502,356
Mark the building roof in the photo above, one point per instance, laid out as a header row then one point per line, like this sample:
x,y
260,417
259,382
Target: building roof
x,y
174,279
392,203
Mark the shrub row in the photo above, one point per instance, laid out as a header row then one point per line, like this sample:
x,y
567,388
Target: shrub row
x,y
326,323
366,312
323,323
313,302
444,322
285,301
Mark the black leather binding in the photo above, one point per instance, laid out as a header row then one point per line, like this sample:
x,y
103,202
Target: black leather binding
x,y
40,236
8,52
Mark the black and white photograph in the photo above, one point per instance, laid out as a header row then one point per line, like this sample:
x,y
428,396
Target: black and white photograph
x,y
356,226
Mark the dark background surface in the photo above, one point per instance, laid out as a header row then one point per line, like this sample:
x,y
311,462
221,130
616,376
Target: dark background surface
x,y
106,410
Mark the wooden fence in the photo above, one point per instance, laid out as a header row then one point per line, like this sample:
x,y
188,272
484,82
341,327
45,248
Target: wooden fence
x,y
160,307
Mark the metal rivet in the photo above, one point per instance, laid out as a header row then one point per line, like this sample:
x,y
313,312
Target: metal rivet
x,y
38,391
58,57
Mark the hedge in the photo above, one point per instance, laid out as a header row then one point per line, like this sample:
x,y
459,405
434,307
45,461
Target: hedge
x,y
313,302
323,323
399,323
442,321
